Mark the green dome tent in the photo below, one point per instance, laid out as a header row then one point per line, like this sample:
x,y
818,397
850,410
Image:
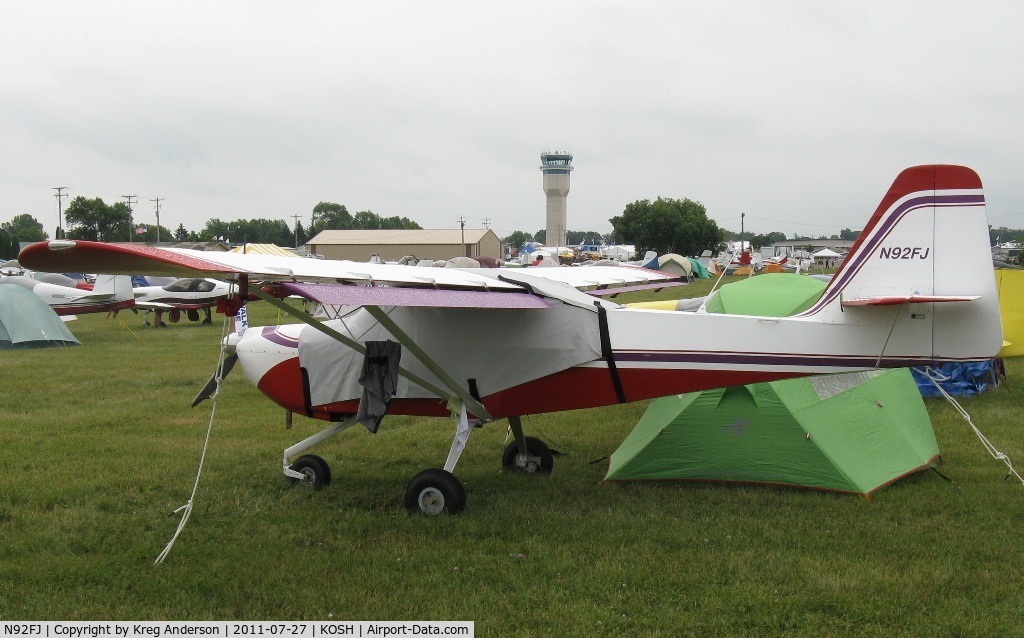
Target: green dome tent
x,y
851,433
27,322
767,295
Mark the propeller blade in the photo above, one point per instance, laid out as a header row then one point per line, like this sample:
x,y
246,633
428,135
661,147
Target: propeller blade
x,y
211,385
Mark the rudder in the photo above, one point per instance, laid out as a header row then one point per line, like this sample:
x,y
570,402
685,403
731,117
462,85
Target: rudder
x,y
926,242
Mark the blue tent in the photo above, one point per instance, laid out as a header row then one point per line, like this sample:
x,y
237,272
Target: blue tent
x,y
959,379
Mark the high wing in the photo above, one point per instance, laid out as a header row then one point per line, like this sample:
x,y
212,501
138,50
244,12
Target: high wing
x,y
128,259
88,256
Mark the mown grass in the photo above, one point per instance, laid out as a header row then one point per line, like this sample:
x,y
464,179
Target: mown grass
x,y
98,446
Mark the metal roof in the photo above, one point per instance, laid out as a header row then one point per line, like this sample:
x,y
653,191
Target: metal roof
x,y
377,237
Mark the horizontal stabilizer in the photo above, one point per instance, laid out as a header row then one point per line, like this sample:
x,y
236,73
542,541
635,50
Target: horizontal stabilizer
x,y
895,300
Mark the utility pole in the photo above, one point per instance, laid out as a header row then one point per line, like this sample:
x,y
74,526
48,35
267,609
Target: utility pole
x,y
130,199
157,200
487,222
296,218
462,226
742,240
60,209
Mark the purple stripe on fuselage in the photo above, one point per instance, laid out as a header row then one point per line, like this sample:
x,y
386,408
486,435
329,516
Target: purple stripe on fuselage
x,y
770,359
271,334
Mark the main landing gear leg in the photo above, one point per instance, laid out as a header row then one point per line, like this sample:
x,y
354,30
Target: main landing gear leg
x,y
526,454
438,491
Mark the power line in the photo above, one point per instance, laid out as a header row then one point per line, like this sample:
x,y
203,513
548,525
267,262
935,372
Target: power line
x,y
784,221
1002,216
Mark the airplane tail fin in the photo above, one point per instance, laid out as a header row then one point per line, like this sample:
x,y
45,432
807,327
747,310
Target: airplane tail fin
x,y
118,287
924,259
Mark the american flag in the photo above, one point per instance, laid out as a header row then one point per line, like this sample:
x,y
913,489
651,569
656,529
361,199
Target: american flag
x,y
140,230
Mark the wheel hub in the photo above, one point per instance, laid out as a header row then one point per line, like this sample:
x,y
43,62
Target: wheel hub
x,y
431,501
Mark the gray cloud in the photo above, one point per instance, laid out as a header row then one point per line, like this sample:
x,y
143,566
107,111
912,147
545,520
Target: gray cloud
x,y
798,114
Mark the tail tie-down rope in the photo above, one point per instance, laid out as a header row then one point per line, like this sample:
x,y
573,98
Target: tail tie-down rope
x,y
186,509
935,377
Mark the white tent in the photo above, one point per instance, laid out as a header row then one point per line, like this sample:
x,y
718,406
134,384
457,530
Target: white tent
x,y
826,253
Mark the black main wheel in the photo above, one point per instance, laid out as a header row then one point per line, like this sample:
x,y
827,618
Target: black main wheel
x,y
539,459
316,470
435,492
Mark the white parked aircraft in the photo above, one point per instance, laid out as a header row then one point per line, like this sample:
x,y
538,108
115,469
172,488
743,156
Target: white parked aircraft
x,y
916,289
190,294
110,293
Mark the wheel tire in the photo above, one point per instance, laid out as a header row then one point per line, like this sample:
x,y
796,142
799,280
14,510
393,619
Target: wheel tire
x,y
318,473
534,447
435,492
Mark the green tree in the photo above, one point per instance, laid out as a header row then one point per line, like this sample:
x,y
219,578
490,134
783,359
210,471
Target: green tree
x,y
516,239
846,233
301,235
1002,234
757,241
150,234
93,219
181,234
25,228
397,223
577,237
9,246
365,220
668,226
215,230
329,216
252,231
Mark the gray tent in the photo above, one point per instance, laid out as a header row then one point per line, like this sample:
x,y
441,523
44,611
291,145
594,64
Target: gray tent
x,y
27,322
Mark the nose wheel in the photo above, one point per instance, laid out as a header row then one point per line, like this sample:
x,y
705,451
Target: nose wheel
x,y
314,470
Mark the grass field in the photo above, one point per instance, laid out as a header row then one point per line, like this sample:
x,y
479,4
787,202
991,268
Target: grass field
x,y
98,447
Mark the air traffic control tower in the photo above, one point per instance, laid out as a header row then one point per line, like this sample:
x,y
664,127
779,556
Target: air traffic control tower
x,y
556,166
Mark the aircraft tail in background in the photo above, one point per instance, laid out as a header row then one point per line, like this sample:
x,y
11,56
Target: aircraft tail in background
x,y
116,287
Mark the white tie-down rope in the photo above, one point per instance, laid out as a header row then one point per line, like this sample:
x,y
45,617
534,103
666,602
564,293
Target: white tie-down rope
x,y
187,507
932,376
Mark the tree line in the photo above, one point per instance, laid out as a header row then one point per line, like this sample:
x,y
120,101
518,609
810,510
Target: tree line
x,y
95,220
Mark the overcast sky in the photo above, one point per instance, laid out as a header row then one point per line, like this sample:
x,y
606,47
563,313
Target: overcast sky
x,y
798,114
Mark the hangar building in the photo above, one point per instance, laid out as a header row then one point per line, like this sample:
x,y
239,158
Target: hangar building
x,y
391,245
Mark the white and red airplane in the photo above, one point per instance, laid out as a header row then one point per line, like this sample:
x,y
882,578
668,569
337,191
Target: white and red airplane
x,y
916,289
188,294
110,293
